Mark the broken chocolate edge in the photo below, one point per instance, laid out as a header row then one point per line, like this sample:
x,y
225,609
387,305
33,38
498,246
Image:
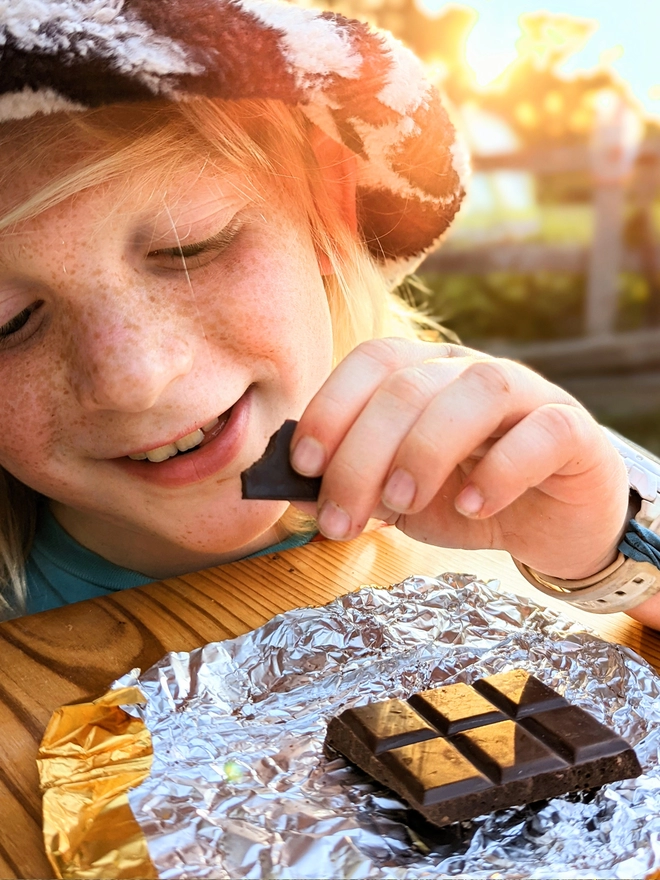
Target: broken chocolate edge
x,y
272,478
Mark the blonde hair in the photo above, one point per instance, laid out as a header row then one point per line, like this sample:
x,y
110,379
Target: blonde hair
x,y
264,140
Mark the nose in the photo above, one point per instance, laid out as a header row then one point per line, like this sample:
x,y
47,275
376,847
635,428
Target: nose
x,y
124,356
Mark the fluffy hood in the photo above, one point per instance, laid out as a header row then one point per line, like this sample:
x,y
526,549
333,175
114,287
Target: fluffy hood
x,y
362,87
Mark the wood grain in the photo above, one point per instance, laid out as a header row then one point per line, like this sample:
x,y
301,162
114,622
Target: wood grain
x,y
76,652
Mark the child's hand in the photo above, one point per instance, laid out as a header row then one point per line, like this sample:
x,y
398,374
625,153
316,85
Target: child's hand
x,y
460,449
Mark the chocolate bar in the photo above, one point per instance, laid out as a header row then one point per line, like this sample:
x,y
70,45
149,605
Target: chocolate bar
x,y
272,478
459,751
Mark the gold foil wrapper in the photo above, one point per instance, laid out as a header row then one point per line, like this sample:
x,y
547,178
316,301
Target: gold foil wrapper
x,y
90,756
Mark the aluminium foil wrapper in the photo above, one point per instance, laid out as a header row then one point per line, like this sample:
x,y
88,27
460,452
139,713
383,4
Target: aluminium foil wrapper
x,y
240,785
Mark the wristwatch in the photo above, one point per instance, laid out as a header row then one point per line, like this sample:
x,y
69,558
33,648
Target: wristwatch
x,y
634,576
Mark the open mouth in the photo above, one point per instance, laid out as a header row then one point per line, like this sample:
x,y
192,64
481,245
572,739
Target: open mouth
x,y
203,454
195,440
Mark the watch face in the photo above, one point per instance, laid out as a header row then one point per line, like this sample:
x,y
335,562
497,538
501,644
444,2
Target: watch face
x,y
643,467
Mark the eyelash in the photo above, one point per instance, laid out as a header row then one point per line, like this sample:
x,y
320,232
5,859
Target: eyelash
x,y
215,245
11,332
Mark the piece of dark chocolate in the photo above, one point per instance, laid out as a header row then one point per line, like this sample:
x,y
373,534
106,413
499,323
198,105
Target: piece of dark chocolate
x,y
459,751
388,725
455,708
518,693
272,478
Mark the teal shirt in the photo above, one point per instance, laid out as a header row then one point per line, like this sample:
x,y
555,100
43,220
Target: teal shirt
x,y
61,571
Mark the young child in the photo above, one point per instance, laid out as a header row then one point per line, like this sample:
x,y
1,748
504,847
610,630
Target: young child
x,y
204,206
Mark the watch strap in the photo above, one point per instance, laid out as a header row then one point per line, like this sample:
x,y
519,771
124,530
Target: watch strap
x,y
621,586
635,574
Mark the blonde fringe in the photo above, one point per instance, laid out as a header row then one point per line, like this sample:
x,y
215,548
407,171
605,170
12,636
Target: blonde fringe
x,y
254,137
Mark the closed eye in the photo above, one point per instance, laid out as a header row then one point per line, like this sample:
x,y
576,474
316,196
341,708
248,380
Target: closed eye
x,y
20,327
190,256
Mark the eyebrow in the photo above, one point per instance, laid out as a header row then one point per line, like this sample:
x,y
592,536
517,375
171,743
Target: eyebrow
x,y
11,249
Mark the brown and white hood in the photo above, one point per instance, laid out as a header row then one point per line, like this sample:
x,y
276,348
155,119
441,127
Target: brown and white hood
x,y
361,87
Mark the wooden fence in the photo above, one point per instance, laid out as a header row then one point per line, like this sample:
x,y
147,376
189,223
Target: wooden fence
x,y
619,172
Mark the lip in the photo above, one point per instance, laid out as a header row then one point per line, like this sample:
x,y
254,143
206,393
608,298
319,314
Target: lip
x,y
167,442
201,463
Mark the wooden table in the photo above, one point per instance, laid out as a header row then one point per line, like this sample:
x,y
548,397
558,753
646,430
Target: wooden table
x,y
76,652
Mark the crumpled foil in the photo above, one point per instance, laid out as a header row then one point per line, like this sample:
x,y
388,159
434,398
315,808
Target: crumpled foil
x,y
240,785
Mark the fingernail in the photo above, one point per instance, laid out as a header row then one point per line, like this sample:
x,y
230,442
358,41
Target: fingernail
x,y
308,457
333,521
399,491
470,501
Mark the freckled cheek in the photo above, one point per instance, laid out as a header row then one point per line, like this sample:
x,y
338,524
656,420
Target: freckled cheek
x,y
34,428
280,312
295,343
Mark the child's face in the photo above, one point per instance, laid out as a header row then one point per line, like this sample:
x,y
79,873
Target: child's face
x,y
129,350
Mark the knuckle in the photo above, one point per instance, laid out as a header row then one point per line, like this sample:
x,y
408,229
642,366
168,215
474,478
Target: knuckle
x,y
323,417
562,422
423,446
442,350
491,375
385,352
505,459
344,473
411,385
454,350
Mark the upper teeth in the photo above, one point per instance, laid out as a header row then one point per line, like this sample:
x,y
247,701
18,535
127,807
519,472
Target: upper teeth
x,y
161,453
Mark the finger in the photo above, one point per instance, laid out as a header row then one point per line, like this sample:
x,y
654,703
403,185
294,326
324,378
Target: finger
x,y
352,383
555,440
485,400
540,445
353,479
310,508
355,476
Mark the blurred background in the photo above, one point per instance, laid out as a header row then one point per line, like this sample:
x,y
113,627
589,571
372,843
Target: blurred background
x,y
555,258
